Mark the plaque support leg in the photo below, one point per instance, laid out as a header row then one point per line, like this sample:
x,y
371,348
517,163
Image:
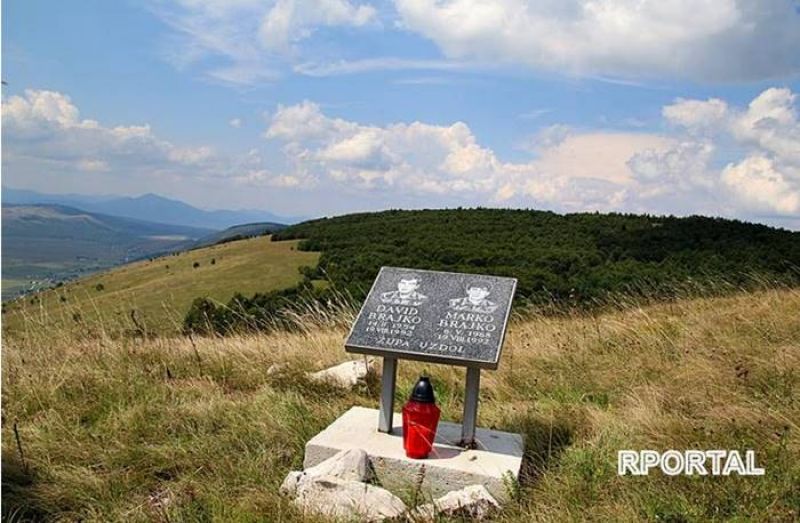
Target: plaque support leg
x,y
470,406
388,379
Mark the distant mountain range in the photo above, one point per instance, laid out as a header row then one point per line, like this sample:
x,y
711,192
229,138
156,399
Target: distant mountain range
x,y
155,208
49,238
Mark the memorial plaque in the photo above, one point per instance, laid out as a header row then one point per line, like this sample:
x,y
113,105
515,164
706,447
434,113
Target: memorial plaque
x,y
441,317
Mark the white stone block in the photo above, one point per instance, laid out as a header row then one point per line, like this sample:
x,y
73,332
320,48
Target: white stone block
x,y
497,458
348,465
349,500
473,502
345,375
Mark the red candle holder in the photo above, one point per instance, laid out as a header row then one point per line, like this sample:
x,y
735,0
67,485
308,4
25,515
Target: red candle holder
x,y
420,419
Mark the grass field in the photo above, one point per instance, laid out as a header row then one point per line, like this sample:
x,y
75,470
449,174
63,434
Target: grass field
x,y
160,291
171,429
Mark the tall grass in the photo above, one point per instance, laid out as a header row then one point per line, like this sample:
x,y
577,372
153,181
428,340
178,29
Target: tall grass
x,y
140,428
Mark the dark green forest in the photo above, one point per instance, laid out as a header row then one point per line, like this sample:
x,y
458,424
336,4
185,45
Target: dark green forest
x,y
575,259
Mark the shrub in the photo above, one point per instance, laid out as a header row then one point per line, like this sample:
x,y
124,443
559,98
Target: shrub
x,y
204,317
261,312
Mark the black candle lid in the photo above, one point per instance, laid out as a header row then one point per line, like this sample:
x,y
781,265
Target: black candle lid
x,y
423,391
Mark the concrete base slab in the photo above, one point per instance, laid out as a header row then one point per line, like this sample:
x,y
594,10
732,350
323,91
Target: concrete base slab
x,y
497,459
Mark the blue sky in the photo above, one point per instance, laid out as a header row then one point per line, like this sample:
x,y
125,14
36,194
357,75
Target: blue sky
x,y
330,106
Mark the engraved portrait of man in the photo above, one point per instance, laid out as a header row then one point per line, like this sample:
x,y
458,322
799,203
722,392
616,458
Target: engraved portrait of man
x,y
406,293
475,300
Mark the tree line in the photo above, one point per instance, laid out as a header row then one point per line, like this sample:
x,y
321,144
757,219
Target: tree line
x,y
575,259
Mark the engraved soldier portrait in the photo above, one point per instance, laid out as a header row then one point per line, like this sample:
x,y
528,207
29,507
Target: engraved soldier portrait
x,y
406,293
476,299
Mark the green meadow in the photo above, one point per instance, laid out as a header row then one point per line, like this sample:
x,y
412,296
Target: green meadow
x,y
155,294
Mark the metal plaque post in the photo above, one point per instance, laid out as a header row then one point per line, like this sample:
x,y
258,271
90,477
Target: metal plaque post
x,y
470,406
388,379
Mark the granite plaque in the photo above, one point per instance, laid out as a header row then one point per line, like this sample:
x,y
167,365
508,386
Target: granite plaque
x,y
441,317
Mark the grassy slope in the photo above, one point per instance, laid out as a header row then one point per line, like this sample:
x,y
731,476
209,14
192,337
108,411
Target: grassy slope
x,y
54,242
162,290
160,430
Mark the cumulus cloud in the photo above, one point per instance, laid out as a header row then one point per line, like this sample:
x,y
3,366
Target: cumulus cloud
x,y
415,157
47,125
731,160
706,40
696,115
766,177
597,155
770,123
761,187
677,179
44,133
572,169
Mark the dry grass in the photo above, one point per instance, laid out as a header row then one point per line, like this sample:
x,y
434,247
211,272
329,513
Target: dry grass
x,y
172,429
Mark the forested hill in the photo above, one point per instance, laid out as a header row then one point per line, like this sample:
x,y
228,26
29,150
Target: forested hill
x,y
574,256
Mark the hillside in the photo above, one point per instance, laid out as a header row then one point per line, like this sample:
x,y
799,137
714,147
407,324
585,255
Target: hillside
x,y
561,261
160,290
573,258
239,232
178,430
55,242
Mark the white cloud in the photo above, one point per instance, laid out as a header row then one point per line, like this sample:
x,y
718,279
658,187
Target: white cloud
x,y
236,123
706,40
305,121
46,124
289,21
547,137
535,113
718,158
677,179
90,165
761,187
345,67
597,155
771,123
43,132
246,42
573,170
766,178
696,115
285,181
414,157
190,155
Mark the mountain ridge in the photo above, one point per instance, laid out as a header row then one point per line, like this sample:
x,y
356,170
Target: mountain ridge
x,y
157,208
